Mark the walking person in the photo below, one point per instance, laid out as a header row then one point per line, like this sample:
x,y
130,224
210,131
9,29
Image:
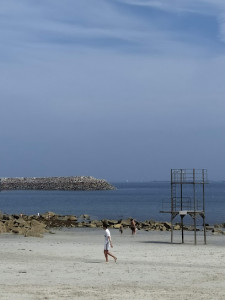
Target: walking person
x,y
108,243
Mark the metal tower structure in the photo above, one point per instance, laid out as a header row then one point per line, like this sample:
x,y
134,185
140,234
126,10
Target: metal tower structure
x,y
188,198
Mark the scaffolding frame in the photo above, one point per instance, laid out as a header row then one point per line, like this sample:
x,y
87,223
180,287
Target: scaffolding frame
x,y
188,198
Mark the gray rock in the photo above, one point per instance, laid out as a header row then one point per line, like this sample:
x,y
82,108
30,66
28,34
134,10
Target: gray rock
x,y
97,223
167,225
112,222
126,222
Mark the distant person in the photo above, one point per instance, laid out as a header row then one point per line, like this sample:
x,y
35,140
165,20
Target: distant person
x,y
108,243
133,226
121,229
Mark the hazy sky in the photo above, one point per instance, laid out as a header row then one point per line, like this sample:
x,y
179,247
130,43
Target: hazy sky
x,y
115,89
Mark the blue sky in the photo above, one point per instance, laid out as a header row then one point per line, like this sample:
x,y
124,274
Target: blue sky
x,y
120,89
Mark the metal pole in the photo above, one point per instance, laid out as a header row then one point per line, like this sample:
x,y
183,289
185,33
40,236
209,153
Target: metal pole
x,y
171,187
203,198
181,207
194,206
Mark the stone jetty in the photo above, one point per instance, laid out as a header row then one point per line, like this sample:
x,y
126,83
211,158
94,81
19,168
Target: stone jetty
x,y
75,183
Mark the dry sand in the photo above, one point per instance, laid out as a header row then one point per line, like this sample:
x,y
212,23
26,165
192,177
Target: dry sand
x,y
70,265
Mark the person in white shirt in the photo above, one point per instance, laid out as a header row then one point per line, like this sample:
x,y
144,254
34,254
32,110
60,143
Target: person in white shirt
x,y
108,243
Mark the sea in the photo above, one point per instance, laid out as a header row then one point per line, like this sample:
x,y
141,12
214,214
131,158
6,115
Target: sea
x,y
139,200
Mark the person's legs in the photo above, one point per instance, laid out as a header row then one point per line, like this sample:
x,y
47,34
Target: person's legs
x,y
133,229
108,253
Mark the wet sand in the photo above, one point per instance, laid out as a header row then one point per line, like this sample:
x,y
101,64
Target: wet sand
x,y
69,264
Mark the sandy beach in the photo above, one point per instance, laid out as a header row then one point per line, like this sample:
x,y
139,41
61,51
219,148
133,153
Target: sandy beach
x,y
69,264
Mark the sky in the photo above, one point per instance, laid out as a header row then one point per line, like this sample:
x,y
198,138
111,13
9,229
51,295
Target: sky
x,y
115,89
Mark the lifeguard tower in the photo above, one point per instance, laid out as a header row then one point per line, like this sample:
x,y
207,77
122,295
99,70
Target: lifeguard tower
x,y
188,198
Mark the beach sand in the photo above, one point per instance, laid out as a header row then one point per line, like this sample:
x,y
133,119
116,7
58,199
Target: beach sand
x,y
69,264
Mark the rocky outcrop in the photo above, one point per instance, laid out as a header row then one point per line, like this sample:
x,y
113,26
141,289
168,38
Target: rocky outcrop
x,y
36,225
20,225
76,183
219,229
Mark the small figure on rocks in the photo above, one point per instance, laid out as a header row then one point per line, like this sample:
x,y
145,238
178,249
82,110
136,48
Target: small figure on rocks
x,y
108,243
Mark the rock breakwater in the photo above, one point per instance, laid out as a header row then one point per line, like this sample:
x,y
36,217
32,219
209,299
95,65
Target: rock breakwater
x,y
37,225
76,183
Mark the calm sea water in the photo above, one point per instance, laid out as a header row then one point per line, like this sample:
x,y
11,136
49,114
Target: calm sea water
x,y
141,201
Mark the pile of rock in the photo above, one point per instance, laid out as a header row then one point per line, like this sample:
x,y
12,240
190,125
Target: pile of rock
x,y
52,220
219,229
76,183
36,225
148,225
18,225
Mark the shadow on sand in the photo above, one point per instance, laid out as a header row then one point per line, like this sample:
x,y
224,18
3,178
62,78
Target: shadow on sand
x,y
159,242
90,261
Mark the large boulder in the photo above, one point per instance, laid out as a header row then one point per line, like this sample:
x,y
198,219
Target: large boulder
x,y
125,222
36,229
18,225
20,222
177,227
117,226
112,222
97,223
71,218
48,215
167,225
218,231
2,228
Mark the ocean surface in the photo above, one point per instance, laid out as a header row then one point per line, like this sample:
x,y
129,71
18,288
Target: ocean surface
x,y
142,201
